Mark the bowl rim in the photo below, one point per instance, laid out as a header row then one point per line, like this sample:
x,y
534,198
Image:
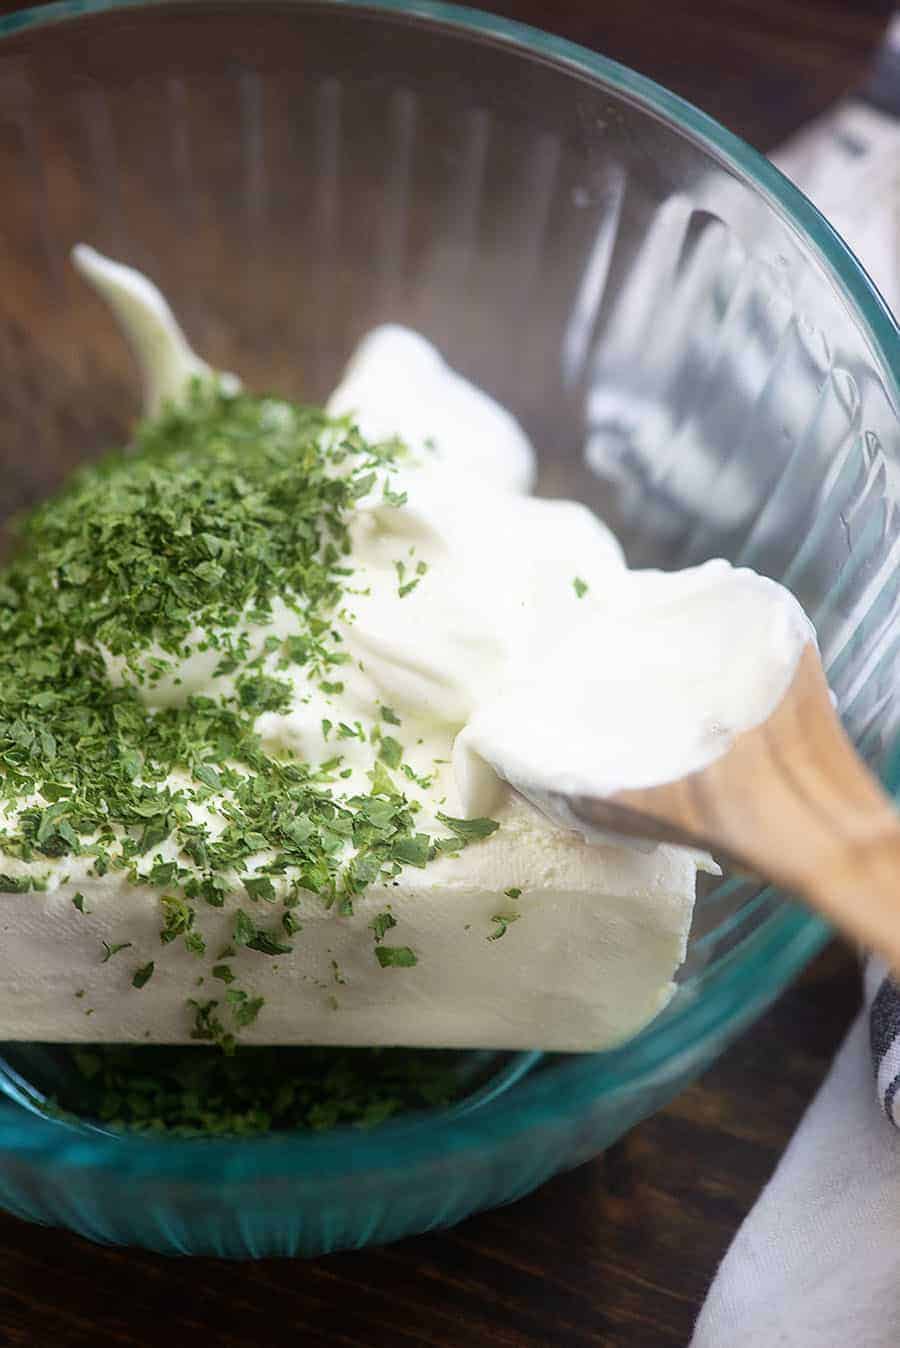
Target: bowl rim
x,y
741,987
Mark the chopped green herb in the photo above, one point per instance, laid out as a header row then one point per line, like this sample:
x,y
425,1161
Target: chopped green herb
x,y
513,893
331,688
143,975
244,1008
194,943
259,887
244,929
206,773
181,543
382,924
470,830
110,950
503,921
164,873
78,902
178,918
246,933
297,650
394,498
395,956
581,587
412,851
198,1091
390,751
351,732
420,779
207,1024
267,944
382,783
19,884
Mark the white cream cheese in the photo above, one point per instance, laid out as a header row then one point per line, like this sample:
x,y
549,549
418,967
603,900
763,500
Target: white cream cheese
x,y
523,660
659,681
589,961
397,384
166,362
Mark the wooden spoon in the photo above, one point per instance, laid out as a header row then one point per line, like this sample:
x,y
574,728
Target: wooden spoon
x,y
790,801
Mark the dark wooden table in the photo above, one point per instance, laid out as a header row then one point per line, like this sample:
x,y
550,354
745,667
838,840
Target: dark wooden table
x,y
621,1251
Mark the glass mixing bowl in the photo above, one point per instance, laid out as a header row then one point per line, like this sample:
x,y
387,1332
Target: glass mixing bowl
x,y
695,352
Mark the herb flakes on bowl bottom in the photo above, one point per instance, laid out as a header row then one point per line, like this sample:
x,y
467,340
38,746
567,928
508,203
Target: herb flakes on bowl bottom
x,y
187,1091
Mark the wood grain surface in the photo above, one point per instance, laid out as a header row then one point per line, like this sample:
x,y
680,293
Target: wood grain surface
x,y
619,1252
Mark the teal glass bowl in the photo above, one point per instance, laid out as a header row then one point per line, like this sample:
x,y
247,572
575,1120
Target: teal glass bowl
x,y
695,352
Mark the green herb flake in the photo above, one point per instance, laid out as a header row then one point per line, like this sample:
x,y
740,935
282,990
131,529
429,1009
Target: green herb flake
x,y
390,751
395,956
207,1025
382,783
78,902
331,688
244,1008
394,498
382,924
290,924
178,918
194,943
143,975
110,950
469,830
259,887
503,921
208,775
580,586
267,944
413,850
244,929
18,884
246,933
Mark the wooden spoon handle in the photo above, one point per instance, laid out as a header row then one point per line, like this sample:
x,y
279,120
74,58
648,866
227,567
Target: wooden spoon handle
x,y
792,801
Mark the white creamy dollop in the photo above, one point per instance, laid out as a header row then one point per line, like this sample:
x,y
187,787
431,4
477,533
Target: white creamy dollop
x,y
651,685
166,361
398,384
524,663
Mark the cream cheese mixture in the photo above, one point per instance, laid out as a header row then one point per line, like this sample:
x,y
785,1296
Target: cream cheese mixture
x,y
496,656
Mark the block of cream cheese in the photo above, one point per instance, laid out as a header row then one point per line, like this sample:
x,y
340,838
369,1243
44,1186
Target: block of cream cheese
x,y
589,960
469,603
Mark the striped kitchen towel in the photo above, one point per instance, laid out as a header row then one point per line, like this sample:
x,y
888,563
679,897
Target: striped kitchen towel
x,y
883,1000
